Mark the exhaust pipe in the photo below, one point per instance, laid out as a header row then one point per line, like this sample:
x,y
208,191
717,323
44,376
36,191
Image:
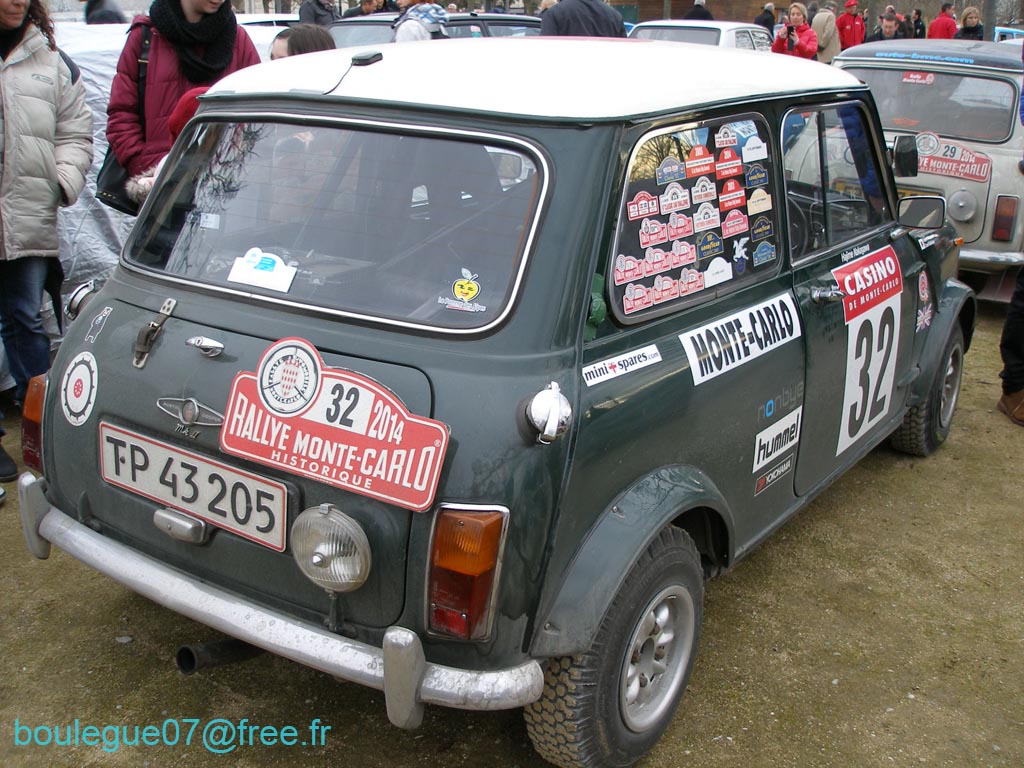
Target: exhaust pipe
x,y
191,658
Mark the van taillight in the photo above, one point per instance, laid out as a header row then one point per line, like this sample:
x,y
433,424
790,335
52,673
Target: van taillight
x,y
32,423
464,560
1005,218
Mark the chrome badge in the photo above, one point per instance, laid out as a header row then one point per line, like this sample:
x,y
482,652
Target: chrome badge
x,y
190,413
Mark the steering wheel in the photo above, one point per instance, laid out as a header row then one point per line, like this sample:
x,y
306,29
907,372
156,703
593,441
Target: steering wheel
x,y
799,229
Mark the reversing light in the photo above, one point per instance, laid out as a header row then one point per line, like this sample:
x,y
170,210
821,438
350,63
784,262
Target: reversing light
x,y
1005,218
331,548
464,561
32,423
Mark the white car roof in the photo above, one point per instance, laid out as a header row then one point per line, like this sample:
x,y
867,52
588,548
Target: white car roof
x,y
557,78
723,25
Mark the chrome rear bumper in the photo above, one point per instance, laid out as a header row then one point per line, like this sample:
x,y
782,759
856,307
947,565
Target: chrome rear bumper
x,y
399,668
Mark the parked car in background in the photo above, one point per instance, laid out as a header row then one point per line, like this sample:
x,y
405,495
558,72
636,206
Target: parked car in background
x,y
377,28
462,393
960,100
267,19
726,34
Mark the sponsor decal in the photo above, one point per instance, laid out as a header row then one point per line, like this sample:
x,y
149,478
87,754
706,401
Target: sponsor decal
x,y
922,288
745,129
788,398
854,253
726,137
735,223
704,190
78,388
718,271
706,217
739,254
261,269
869,281
924,317
675,198
756,176
655,261
759,201
699,162
708,245
96,326
764,253
636,297
761,228
690,281
679,225
777,472
644,204
918,78
614,367
665,289
942,157
733,195
729,164
732,341
466,288
670,169
777,439
653,232
754,149
334,426
927,240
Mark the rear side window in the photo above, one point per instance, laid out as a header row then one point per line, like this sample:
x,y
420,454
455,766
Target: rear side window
x,y
418,229
698,217
955,105
699,35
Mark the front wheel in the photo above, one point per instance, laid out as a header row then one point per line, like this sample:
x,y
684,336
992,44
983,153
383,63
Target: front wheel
x,y
926,425
609,706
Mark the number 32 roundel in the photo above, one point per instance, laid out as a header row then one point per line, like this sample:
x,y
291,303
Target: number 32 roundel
x,y
334,426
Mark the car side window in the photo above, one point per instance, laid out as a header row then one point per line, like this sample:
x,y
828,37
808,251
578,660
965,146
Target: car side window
x,y
762,40
743,40
698,217
834,181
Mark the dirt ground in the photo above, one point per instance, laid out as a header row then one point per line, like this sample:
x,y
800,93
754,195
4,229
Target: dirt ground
x,y
882,626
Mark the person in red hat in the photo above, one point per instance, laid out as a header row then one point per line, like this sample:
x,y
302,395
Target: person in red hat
x,y
139,186
850,26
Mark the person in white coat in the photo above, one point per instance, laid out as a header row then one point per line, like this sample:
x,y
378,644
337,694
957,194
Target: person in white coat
x,y
46,132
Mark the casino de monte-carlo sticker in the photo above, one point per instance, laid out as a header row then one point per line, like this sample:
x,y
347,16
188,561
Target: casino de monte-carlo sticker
x,y
334,426
872,289
78,388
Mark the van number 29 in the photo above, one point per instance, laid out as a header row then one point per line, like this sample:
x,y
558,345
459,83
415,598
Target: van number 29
x,y
871,350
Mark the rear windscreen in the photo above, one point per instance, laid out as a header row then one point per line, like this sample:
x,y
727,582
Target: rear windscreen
x,y
418,229
954,105
698,35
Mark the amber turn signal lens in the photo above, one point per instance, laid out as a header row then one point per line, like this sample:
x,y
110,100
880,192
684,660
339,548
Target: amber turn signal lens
x,y
467,542
32,423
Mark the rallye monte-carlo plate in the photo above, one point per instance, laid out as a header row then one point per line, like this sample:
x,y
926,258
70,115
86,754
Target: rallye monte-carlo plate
x,y
254,507
334,426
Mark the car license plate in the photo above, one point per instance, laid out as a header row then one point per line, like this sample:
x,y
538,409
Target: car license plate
x,y
254,507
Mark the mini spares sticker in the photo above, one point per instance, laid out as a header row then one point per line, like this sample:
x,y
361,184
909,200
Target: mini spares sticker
x,y
334,426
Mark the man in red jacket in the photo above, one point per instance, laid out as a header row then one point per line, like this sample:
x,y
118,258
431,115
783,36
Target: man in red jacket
x,y
944,26
850,26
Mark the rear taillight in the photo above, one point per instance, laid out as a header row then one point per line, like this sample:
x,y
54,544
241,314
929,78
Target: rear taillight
x,y
464,560
32,423
1005,218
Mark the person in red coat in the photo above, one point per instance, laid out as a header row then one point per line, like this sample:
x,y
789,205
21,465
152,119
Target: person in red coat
x,y
192,43
944,25
850,26
797,38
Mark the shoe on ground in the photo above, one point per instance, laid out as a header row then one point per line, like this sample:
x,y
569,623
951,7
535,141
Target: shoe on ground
x,y
3,496
1013,406
8,469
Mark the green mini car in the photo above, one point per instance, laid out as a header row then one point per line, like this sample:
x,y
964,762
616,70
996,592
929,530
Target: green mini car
x,y
463,393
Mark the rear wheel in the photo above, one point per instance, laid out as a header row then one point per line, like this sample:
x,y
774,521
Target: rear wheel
x,y
610,705
926,425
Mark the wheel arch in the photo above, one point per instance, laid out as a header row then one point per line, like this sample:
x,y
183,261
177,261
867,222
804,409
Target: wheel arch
x,y
957,305
677,495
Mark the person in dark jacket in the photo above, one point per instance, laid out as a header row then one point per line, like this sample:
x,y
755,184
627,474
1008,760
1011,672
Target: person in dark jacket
x,y
766,18
323,13
920,31
582,18
889,29
971,27
103,12
699,12
365,8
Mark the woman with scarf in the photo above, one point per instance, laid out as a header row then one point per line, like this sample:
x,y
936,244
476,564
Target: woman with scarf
x,y
192,43
420,20
46,143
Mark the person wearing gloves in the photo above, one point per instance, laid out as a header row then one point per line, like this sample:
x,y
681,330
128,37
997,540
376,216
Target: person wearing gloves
x,y
797,38
420,20
46,136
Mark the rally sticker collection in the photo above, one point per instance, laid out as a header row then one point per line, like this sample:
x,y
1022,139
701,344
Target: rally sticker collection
x,y
707,219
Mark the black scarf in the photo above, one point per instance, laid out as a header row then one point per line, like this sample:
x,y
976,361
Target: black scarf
x,y
214,34
9,39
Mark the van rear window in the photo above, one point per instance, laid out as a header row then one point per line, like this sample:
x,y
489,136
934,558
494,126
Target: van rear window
x,y
418,229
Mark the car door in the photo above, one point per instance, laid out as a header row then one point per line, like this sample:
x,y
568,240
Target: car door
x,y
856,283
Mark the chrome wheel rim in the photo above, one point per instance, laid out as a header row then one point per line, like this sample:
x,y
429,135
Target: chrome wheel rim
x,y
656,658
951,386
